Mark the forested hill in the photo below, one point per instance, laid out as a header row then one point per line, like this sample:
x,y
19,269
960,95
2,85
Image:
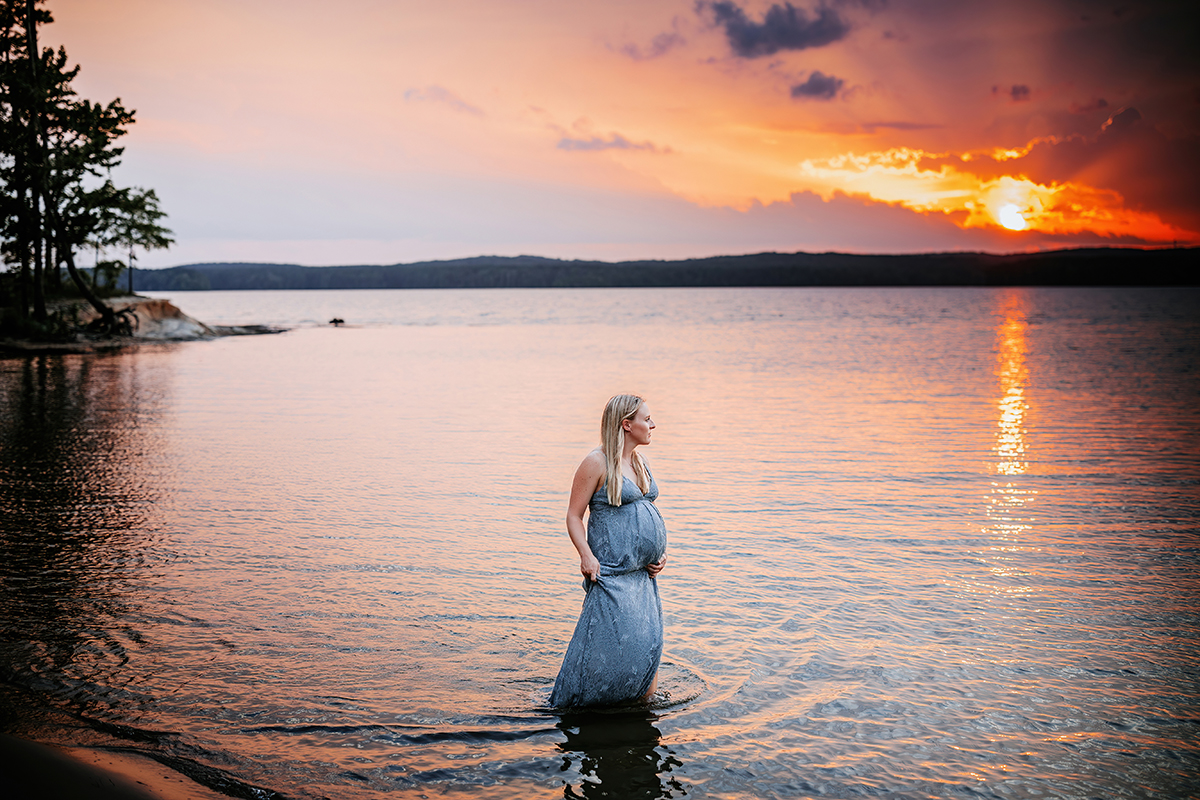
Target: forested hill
x,y
1092,267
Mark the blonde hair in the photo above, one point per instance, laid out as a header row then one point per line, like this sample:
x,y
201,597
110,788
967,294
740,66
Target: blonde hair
x,y
612,441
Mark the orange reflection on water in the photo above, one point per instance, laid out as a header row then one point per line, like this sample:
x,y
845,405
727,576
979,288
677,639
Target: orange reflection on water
x,y
1009,522
1014,381
1009,527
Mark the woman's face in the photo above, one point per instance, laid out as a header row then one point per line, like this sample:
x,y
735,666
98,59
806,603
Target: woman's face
x,y
639,427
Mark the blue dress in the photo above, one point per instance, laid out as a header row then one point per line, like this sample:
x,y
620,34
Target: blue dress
x,y
614,653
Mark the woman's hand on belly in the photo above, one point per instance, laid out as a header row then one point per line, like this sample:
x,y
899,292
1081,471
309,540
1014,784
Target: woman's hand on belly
x,y
654,569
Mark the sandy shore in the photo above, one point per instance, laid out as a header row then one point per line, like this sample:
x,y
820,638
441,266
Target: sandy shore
x,y
37,772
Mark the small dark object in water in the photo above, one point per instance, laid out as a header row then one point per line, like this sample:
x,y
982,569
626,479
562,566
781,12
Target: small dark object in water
x,y
336,321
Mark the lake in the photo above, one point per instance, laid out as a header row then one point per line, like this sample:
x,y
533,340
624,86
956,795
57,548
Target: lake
x,y
923,543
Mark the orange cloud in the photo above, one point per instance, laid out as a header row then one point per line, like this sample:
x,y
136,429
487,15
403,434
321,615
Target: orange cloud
x,y
899,176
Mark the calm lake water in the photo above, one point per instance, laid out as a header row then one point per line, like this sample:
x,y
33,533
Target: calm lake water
x,y
923,543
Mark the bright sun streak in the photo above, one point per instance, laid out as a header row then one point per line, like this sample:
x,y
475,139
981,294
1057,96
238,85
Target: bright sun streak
x,y
1010,217
1016,203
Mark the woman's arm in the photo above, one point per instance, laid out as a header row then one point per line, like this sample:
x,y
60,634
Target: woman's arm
x,y
587,481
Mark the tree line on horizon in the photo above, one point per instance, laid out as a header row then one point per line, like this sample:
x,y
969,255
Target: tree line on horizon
x,y
57,196
1082,267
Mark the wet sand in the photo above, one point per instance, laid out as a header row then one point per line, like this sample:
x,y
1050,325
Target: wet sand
x,y
37,772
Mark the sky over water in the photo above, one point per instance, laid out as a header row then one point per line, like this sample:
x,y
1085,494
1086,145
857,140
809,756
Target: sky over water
x,y
374,131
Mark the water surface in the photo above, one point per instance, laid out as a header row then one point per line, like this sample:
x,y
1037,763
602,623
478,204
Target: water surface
x,y
923,543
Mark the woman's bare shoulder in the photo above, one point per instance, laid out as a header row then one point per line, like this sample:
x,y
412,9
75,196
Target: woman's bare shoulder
x,y
590,474
593,462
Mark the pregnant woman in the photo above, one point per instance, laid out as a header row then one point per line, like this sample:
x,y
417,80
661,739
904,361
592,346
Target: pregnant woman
x,y
613,656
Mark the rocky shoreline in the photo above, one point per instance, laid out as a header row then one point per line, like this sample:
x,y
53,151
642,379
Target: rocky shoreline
x,y
158,320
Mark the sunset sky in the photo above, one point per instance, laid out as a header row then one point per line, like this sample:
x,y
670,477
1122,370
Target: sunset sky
x,y
376,131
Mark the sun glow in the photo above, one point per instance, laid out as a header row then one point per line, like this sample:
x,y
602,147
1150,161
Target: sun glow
x,y
931,182
1010,217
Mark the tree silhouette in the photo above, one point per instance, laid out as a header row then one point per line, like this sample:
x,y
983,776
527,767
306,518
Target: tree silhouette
x,y
136,225
56,153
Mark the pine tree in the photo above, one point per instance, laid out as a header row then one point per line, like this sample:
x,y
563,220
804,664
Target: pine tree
x,y
56,153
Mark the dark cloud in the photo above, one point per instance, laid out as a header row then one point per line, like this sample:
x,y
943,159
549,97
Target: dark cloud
x,y
615,141
819,86
1018,92
784,27
1148,57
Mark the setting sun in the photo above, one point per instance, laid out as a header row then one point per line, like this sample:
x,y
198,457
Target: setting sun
x,y
1010,217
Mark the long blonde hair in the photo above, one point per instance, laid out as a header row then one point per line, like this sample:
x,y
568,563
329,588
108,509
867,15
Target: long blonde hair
x,y
612,441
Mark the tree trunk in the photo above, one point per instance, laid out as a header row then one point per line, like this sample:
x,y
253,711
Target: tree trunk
x,y
38,171
54,266
39,272
105,312
67,253
23,285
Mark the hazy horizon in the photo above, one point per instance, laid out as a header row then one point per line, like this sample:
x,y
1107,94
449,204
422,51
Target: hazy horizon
x,y
612,261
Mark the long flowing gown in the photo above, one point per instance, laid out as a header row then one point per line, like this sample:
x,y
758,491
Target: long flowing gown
x,y
614,654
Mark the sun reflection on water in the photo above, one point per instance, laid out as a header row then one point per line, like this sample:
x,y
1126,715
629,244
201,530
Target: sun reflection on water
x,y
1009,523
1013,405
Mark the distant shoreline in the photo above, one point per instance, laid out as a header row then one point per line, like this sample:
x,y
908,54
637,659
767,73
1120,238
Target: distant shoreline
x,y
1081,267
